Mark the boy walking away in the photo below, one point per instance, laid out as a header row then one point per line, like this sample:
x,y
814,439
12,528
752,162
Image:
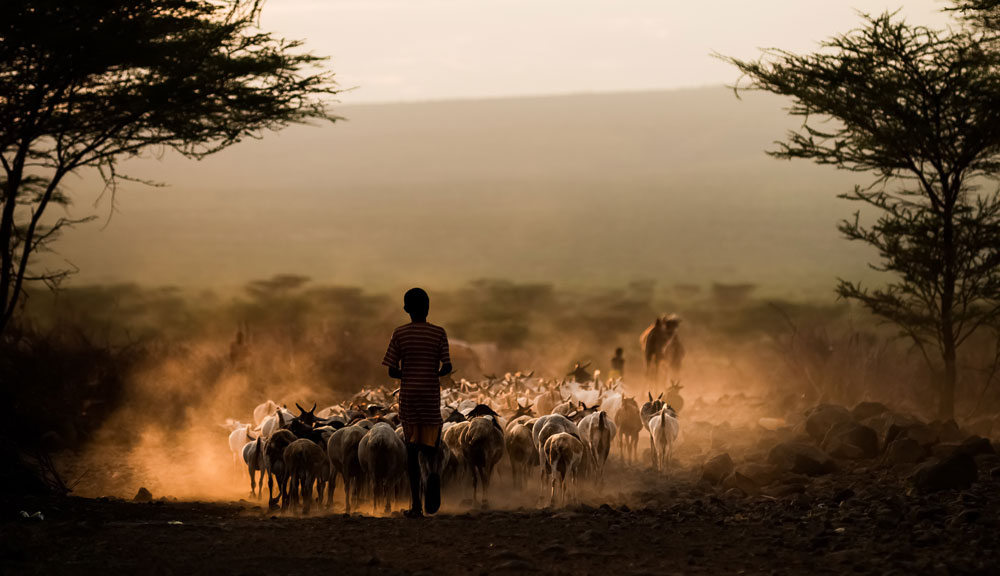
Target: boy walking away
x,y
417,356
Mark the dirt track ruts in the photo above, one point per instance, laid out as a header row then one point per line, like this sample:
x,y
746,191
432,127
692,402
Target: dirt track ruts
x,y
850,523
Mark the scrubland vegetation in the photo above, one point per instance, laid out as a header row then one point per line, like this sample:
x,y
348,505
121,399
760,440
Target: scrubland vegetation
x,y
109,361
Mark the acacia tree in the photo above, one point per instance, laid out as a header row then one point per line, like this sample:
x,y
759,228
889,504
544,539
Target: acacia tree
x,y
984,14
919,109
88,84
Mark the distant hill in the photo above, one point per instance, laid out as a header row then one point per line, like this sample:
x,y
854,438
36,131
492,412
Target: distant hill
x,y
574,190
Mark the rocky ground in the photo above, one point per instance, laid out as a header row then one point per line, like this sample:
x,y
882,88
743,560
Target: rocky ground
x,y
841,491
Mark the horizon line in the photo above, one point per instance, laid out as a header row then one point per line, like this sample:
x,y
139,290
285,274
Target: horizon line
x,y
536,96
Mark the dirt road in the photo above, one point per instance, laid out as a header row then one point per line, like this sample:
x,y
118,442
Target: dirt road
x,y
854,522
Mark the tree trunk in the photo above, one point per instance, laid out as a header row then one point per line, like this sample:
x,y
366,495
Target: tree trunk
x,y
6,245
946,405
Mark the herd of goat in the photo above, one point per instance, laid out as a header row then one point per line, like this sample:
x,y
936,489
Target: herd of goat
x,y
565,428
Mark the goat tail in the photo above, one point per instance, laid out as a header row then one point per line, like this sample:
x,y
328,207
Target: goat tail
x,y
600,420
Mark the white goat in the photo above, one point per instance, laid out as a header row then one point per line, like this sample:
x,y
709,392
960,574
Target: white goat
x,y
544,427
521,452
253,457
482,448
342,450
276,421
383,457
646,412
597,431
578,394
664,428
612,403
564,453
306,464
237,439
274,460
263,411
629,422
330,411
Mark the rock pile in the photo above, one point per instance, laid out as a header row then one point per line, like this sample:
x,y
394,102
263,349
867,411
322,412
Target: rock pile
x,y
781,458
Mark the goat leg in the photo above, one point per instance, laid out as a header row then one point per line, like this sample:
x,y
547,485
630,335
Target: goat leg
x,y
307,493
347,494
652,452
475,485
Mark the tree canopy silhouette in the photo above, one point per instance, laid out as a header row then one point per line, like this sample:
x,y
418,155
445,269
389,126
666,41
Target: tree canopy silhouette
x,y
919,109
982,13
88,84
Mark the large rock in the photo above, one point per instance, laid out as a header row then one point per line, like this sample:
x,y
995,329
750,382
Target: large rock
x,y
850,440
973,446
976,446
956,472
904,451
716,469
884,421
947,431
820,419
866,410
742,483
801,459
761,474
922,433
982,426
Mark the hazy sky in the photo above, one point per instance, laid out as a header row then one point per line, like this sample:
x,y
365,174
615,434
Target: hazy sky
x,y
401,50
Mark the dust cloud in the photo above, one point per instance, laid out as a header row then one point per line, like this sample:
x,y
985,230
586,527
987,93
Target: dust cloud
x,y
207,360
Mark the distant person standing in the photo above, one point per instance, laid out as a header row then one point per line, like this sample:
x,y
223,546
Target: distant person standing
x,y
417,356
617,365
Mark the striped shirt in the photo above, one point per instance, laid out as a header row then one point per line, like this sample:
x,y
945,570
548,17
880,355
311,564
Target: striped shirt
x,y
419,349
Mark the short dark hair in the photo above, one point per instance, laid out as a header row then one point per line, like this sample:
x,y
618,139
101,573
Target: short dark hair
x,y
416,302
618,351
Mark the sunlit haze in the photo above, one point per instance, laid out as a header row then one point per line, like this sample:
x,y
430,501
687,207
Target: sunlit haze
x,y
599,140
499,287
401,50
